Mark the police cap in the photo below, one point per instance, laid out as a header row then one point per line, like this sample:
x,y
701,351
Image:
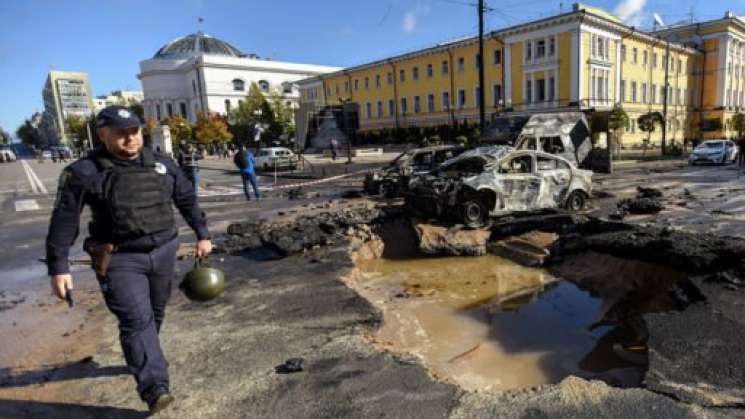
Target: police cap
x,y
116,116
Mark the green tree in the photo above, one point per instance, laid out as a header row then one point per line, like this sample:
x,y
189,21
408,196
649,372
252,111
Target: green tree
x,y
181,129
648,122
4,137
618,119
77,128
211,127
284,116
247,112
29,134
737,122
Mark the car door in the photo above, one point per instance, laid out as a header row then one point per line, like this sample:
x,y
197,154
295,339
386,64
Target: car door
x,y
519,183
556,175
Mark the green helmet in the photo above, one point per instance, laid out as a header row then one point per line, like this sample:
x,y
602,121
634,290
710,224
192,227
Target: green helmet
x,y
203,283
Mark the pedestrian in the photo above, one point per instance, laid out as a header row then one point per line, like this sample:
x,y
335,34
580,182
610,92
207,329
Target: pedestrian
x,y
334,144
246,163
132,239
741,151
189,162
225,152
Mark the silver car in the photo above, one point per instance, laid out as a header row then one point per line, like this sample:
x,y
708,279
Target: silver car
x,y
496,181
714,151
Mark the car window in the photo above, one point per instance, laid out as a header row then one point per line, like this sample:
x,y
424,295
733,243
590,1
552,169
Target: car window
x,y
520,164
528,143
546,164
552,145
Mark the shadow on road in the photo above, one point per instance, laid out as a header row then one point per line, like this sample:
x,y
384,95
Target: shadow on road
x,y
26,408
85,368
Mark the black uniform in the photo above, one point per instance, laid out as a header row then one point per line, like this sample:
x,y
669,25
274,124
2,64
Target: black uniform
x,y
131,208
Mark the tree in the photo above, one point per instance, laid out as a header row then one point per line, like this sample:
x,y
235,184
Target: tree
x,y
211,127
737,122
29,133
247,111
618,119
648,121
181,129
284,116
4,137
77,127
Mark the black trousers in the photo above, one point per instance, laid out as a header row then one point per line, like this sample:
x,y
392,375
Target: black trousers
x,y
136,288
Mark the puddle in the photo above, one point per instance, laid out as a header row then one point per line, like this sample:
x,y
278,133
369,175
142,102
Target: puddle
x,y
486,322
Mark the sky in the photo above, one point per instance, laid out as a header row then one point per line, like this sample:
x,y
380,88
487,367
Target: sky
x,y
107,38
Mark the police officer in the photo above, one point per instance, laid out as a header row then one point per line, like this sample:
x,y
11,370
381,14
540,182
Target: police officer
x,y
132,238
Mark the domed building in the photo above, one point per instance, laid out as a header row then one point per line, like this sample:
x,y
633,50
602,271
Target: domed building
x,y
199,73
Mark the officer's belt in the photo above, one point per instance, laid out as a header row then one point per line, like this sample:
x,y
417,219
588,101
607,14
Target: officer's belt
x,y
144,247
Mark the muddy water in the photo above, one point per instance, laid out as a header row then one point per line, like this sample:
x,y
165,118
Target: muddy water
x,y
485,322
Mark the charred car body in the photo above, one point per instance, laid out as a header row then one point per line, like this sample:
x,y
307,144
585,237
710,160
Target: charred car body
x,y
497,180
389,180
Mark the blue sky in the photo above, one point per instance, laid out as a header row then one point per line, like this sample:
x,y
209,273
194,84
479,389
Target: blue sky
x,y
108,38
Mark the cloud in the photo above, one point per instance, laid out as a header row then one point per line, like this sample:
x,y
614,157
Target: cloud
x,y
631,11
411,17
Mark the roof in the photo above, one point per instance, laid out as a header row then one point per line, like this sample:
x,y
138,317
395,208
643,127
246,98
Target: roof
x,y
197,44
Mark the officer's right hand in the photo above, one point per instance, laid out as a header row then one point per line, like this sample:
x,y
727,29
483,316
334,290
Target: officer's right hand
x,y
60,284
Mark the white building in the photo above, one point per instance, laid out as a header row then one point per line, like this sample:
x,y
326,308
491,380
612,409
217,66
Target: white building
x,y
118,97
65,93
199,73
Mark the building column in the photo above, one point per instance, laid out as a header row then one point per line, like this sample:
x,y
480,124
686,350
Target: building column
x,y
507,75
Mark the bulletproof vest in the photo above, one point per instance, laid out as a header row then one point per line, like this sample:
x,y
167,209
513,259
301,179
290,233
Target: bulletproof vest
x,y
136,197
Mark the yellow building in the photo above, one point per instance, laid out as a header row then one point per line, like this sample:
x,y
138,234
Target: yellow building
x,y
582,60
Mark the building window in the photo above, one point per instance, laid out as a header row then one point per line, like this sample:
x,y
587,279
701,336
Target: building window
x,y
477,61
622,93
169,108
662,94
540,90
633,91
368,108
391,107
461,99
644,92
645,58
445,101
239,85
551,87
328,90
346,86
377,80
653,94
680,65
403,105
417,105
623,53
430,103
402,75
390,77
444,67
528,91
356,85
264,85
477,96
380,109
367,83
194,87
461,64
157,112
497,95
551,46
182,108
227,105
635,56
528,46
540,49
497,56
415,73
430,71
601,49
654,60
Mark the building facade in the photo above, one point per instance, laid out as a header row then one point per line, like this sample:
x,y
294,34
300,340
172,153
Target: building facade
x,y
118,97
586,60
65,93
198,73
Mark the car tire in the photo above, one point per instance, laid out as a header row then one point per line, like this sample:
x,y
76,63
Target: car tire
x,y
576,201
473,213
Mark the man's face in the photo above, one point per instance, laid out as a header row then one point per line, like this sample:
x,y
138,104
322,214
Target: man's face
x,y
124,143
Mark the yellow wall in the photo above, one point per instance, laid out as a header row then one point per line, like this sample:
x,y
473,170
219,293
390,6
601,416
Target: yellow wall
x,y
565,68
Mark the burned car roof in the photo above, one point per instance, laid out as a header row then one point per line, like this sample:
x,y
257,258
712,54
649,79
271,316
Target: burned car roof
x,y
490,153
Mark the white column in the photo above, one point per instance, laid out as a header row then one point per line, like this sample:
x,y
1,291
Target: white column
x,y
617,92
507,75
534,94
576,76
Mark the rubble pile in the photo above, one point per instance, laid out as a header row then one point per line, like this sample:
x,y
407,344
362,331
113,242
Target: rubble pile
x,y
647,201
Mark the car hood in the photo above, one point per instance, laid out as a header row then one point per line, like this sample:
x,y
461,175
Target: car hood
x,y
707,150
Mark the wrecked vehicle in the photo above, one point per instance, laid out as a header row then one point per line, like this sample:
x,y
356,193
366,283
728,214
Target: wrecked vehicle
x,y
565,134
498,180
387,181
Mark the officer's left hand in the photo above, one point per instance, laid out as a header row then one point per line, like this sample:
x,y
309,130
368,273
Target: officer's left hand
x,y
204,247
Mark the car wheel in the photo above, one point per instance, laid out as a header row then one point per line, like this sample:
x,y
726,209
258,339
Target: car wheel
x,y
473,213
576,201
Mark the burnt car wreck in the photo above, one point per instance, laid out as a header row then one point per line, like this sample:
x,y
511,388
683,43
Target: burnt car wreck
x,y
494,181
389,181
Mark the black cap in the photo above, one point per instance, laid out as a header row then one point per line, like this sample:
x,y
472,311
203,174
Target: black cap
x,y
117,117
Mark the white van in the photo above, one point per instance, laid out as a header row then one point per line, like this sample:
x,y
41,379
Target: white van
x,y
276,157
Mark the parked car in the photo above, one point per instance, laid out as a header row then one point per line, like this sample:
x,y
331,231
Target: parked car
x,y
276,157
498,180
387,180
714,151
62,152
46,154
6,154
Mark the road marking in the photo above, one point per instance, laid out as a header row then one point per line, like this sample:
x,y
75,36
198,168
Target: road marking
x,y
221,190
26,205
37,186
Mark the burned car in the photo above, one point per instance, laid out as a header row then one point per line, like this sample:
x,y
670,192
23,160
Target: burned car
x,y
387,181
498,180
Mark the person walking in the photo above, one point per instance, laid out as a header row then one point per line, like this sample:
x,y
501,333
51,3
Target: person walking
x,y
741,151
246,163
334,145
189,162
132,239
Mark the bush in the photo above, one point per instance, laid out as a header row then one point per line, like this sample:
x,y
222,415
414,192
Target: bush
x,y
674,150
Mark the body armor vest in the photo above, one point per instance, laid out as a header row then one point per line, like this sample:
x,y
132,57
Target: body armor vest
x,y
136,197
